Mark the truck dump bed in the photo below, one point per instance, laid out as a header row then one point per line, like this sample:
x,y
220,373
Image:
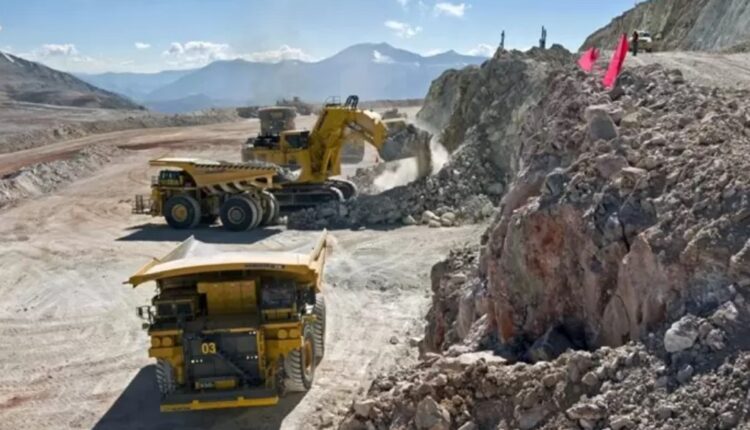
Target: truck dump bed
x,y
193,257
211,173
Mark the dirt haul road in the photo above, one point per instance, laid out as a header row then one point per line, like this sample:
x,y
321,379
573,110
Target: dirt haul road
x,y
703,68
72,353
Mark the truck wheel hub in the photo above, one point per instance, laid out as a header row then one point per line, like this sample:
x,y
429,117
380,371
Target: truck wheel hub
x,y
179,213
236,215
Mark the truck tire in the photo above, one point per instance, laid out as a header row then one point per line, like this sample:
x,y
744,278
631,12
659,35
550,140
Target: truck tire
x,y
299,364
255,201
319,327
271,210
182,212
240,213
165,377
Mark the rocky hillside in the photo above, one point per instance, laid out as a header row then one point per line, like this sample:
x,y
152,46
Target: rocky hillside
x,y
622,233
706,25
26,81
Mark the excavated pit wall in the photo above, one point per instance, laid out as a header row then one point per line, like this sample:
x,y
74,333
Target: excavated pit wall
x,y
625,230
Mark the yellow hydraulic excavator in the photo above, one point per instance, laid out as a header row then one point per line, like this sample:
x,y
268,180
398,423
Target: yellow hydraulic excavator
x,y
316,154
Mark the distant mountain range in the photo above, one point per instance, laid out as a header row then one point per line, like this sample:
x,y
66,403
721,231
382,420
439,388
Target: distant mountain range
x,y
136,86
372,71
26,81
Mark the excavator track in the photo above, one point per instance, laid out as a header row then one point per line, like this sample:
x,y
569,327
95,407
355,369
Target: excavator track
x,y
293,197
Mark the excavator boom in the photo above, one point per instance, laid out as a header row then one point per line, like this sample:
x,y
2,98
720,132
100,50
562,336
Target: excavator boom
x,y
336,125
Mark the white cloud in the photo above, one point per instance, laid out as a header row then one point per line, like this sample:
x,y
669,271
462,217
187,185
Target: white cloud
x,y
196,53
450,9
379,58
483,50
285,52
1,28
66,57
142,45
404,3
58,50
402,29
200,53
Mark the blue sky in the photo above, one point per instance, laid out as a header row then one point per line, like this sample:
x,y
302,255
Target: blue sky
x,y
153,35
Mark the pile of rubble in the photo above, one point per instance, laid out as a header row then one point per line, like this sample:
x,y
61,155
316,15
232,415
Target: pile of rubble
x,y
43,178
625,231
630,208
649,220
700,381
465,190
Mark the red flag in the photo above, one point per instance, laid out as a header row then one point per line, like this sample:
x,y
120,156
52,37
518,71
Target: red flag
x,y
615,66
588,59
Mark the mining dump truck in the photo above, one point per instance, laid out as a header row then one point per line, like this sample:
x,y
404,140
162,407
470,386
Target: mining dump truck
x,y
273,121
234,329
188,192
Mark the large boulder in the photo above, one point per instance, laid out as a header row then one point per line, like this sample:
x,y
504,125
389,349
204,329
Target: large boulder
x,y
682,334
431,416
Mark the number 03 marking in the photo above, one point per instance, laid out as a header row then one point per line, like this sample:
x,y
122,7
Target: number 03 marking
x,y
208,348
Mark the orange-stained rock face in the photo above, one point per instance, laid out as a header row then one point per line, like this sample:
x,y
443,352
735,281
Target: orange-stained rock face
x,y
607,238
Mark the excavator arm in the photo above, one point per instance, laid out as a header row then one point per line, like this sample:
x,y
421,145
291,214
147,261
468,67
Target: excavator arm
x,y
337,124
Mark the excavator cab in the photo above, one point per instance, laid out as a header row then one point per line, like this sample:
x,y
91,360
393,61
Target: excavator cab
x,y
297,139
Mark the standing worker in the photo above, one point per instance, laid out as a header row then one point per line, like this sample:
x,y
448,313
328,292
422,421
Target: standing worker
x,y
502,41
635,43
543,40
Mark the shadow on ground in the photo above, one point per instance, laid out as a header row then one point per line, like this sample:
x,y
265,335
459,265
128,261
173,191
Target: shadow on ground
x,y
137,408
163,233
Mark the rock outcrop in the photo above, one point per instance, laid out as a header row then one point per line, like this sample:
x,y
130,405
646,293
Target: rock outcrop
x,y
705,25
641,227
624,231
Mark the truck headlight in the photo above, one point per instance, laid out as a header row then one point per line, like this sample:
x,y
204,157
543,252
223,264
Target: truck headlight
x,y
155,342
282,334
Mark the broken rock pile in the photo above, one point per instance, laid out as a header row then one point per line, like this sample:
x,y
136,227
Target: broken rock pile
x,y
631,209
42,178
649,221
625,231
629,387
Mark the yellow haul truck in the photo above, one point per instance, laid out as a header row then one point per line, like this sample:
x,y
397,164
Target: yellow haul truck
x,y
188,192
234,329
316,153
